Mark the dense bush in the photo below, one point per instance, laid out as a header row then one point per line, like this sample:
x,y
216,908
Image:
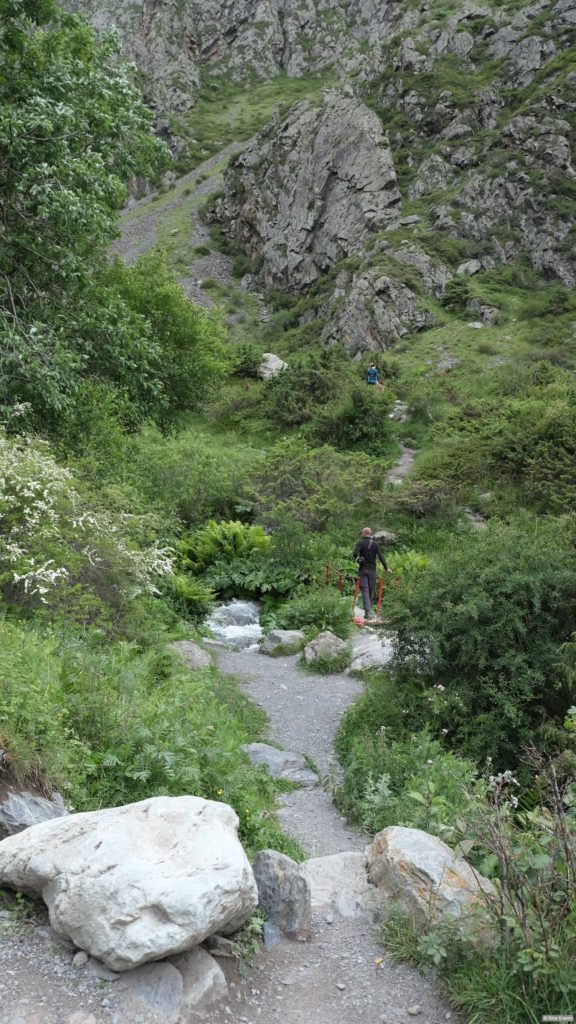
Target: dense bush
x,y
358,421
61,551
484,629
409,780
192,475
317,488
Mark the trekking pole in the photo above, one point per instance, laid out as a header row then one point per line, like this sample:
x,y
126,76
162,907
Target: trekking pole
x,y
380,594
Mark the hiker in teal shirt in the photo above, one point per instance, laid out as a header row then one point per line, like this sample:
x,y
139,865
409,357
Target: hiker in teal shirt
x,y
372,374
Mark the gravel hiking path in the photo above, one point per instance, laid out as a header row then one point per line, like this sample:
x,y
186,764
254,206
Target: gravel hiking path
x,y
403,466
142,222
342,976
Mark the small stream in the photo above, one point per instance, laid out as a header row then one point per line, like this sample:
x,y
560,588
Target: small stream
x,y
236,624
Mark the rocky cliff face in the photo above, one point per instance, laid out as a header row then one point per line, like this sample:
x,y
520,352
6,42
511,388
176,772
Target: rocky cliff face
x,y
176,43
446,150
309,191
454,157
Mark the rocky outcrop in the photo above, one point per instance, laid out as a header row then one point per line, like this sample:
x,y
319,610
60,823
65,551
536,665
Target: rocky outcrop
x,y
424,876
160,39
376,311
311,190
136,883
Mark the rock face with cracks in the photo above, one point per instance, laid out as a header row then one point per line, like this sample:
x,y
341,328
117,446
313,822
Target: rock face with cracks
x,y
309,191
139,882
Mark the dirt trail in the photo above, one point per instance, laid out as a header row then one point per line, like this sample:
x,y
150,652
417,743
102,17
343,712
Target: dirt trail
x,y
339,977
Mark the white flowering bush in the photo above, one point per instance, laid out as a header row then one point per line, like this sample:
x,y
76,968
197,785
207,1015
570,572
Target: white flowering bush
x,y
55,547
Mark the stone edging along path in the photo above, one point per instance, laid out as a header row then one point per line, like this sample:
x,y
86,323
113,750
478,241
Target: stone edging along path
x,y
341,976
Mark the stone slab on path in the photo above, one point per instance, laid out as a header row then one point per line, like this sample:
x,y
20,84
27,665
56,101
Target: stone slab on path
x,y
281,764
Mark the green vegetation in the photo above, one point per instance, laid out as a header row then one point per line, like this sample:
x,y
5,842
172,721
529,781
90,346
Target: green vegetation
x,y
227,112
147,472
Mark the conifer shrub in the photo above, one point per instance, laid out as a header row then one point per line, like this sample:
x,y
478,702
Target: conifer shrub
x,y
484,630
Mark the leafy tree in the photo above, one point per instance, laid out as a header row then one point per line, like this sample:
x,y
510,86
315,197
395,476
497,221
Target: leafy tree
x,y
73,131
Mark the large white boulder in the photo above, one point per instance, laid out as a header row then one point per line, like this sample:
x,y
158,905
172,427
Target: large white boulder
x,y
136,883
424,876
271,366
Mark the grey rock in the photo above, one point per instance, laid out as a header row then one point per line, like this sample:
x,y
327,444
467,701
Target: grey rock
x,y
434,275
153,989
281,764
309,190
203,982
339,884
385,538
80,958
434,175
97,969
469,268
271,366
272,935
285,640
325,645
370,650
283,894
192,654
376,312
20,810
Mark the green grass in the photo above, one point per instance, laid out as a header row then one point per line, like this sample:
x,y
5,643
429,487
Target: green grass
x,y
227,112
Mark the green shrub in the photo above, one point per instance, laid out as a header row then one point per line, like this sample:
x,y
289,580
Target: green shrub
x,y
247,359
191,475
319,489
410,781
359,421
456,295
319,610
191,596
64,555
222,541
485,630
112,726
527,971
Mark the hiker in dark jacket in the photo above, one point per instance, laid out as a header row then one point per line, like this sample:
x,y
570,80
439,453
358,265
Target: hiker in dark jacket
x,y
366,552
